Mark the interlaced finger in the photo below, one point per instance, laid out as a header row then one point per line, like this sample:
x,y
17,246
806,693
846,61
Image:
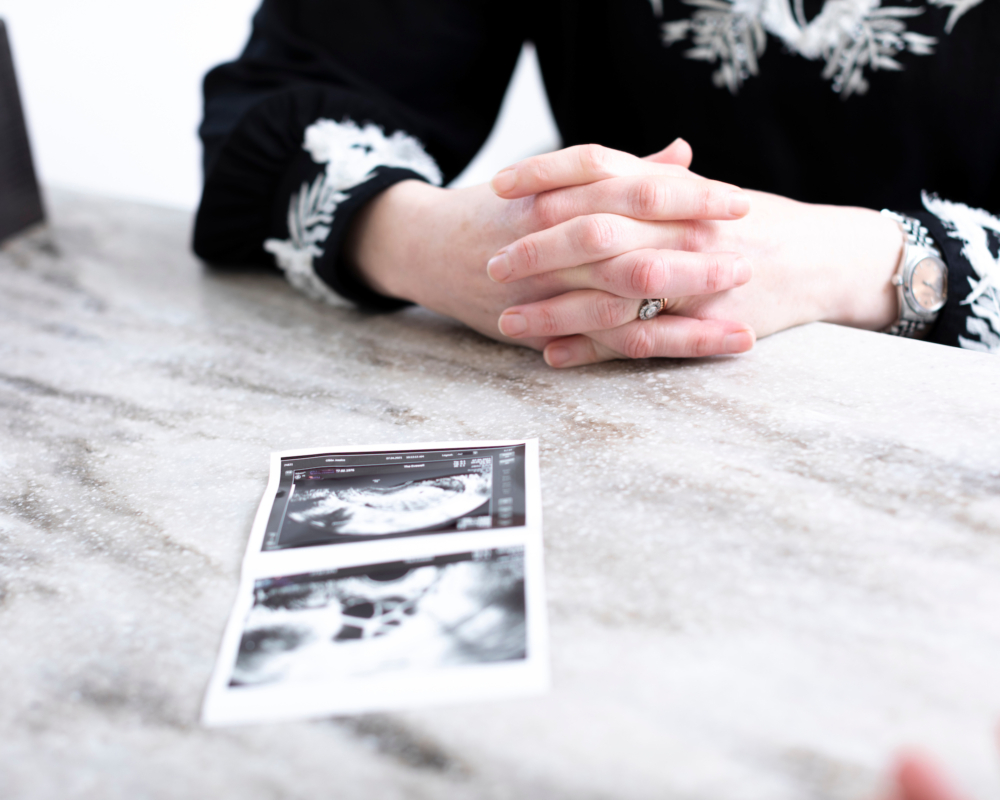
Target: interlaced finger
x,y
573,166
677,152
664,336
665,273
573,312
582,240
591,239
646,197
649,274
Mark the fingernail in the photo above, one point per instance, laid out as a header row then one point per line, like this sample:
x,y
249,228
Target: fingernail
x,y
742,271
504,180
498,267
738,342
739,204
513,323
557,356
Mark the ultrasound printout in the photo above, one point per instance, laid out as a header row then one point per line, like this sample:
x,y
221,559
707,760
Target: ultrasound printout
x,y
382,578
357,497
464,608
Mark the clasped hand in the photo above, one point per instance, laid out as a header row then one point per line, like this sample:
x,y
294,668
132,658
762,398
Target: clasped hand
x,y
573,241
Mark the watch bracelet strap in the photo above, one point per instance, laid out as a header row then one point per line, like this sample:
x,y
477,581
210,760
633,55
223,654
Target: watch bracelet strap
x,y
917,235
908,329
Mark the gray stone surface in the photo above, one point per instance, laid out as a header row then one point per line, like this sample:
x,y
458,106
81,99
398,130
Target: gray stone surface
x,y
765,573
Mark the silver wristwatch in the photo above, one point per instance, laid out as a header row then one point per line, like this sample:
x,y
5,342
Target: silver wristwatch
x,y
921,280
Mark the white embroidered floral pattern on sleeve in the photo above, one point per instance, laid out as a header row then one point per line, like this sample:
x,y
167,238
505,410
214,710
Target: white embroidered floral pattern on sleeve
x,y
979,232
851,36
958,8
352,154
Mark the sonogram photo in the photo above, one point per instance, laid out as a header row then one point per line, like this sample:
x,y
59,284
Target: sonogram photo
x,y
378,509
343,497
466,608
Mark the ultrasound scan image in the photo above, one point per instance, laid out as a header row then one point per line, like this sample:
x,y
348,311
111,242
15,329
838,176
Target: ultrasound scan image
x,y
453,610
335,498
331,507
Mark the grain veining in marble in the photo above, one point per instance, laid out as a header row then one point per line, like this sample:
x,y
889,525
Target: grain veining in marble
x,y
765,573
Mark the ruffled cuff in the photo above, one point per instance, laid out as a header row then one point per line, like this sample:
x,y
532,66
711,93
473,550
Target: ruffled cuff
x,y
969,240
287,183
314,219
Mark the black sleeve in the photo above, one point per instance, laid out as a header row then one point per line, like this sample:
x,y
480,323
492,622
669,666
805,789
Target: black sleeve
x,y
330,103
969,241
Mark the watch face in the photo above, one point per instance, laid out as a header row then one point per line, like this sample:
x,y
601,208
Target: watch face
x,y
929,284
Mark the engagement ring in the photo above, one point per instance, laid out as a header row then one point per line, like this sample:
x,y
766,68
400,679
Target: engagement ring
x,y
650,308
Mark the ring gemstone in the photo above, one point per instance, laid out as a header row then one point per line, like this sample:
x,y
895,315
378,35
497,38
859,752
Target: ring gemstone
x,y
650,308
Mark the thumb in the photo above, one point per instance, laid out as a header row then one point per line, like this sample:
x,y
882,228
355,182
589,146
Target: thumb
x,y
677,152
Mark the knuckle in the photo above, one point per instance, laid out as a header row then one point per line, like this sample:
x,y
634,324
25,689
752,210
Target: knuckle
x,y
539,170
647,198
544,211
598,234
607,312
639,342
595,159
693,237
700,343
714,275
528,253
706,196
548,321
650,274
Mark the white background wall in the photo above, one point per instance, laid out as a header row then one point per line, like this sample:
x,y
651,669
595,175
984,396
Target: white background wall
x,y
112,93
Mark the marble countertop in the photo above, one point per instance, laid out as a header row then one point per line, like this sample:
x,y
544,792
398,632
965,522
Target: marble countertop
x,y
766,573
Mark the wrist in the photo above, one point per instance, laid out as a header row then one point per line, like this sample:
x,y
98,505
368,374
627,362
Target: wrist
x,y
864,296
381,239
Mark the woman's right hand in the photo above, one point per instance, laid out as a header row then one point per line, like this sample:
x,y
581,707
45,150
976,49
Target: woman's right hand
x,y
431,246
